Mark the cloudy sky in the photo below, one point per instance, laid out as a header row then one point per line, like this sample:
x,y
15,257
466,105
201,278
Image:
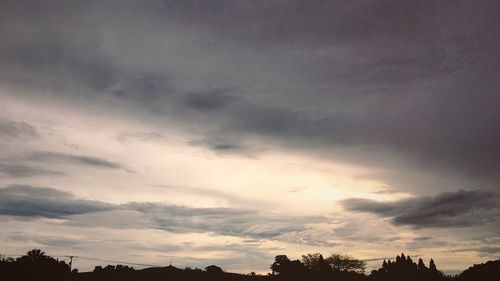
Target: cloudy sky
x,y
227,132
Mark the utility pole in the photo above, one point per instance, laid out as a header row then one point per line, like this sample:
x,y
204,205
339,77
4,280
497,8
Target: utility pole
x,y
70,265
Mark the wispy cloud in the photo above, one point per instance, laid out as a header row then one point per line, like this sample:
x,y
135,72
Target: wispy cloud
x,y
10,129
55,157
24,171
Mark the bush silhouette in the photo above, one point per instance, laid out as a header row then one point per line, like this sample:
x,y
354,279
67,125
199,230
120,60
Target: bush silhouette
x,y
213,269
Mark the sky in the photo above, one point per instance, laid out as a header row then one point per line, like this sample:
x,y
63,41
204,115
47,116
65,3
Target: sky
x,y
228,132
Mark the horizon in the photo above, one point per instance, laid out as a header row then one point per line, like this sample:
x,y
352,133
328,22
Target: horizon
x,y
70,259
228,132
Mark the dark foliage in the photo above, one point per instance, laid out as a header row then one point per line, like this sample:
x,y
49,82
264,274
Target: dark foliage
x,y
213,269
489,271
36,266
315,267
404,268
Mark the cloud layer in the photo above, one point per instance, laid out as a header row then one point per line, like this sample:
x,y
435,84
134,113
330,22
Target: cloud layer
x,y
404,79
30,201
48,157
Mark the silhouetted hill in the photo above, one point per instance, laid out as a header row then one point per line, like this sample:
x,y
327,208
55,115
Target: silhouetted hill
x,y
162,273
489,271
36,266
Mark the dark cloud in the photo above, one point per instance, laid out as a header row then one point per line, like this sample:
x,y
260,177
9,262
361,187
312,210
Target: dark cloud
x,y
30,201
143,87
44,156
415,78
221,146
262,22
24,171
10,129
211,101
423,238
455,209
224,145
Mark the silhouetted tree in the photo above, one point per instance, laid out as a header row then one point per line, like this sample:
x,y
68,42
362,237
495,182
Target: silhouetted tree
x,y
279,263
35,255
315,262
404,268
284,266
384,265
345,263
213,269
421,266
432,266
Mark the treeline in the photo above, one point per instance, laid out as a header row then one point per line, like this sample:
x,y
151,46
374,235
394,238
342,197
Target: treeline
x,y
35,265
341,267
404,268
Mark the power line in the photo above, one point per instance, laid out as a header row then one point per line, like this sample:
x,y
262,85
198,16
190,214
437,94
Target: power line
x,y
90,258
379,259
17,255
120,262
11,255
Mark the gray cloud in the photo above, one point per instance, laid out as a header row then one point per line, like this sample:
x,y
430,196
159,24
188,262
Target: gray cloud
x,y
30,201
225,144
10,129
45,156
214,100
423,238
454,209
24,171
